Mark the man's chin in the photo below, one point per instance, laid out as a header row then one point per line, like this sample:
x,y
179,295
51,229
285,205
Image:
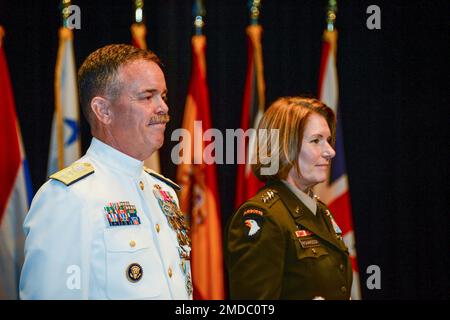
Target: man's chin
x,y
157,144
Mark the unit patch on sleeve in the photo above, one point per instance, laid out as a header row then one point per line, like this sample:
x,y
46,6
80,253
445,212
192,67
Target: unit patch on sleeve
x,y
253,220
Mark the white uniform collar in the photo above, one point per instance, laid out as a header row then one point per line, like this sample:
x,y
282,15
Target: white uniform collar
x,y
115,159
309,202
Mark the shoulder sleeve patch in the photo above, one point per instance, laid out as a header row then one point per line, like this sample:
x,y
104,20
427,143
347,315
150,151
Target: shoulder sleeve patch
x,y
73,173
252,219
253,211
162,178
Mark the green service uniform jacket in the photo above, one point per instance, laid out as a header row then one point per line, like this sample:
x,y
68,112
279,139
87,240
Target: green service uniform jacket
x,y
276,248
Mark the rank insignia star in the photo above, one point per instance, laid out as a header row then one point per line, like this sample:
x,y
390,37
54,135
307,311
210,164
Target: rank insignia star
x,y
268,196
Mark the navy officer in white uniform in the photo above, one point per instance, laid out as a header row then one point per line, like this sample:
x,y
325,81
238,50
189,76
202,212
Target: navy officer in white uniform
x,y
107,227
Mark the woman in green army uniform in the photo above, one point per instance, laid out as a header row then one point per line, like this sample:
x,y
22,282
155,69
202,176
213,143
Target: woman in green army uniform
x,y
284,243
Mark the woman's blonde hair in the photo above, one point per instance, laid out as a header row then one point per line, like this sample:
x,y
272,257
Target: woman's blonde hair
x,y
289,116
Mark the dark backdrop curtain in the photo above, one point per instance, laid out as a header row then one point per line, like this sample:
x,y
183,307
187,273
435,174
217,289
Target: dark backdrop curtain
x,y
393,96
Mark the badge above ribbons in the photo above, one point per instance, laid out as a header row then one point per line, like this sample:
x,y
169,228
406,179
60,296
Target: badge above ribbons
x,y
177,222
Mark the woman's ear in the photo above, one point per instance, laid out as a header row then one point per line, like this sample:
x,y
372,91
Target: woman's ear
x,y
101,108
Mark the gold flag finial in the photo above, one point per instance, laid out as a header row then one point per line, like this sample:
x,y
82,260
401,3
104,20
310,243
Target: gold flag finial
x,y
331,14
199,12
65,12
254,7
139,11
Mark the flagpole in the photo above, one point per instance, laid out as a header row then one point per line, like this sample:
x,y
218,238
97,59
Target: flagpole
x,y
199,13
255,31
331,14
138,11
254,11
199,39
138,28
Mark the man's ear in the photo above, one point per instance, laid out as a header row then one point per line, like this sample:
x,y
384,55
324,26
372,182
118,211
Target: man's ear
x,y
101,108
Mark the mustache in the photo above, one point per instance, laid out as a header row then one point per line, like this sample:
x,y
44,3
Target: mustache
x,y
159,118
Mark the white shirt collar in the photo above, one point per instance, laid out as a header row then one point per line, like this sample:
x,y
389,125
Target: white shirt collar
x,y
115,159
309,202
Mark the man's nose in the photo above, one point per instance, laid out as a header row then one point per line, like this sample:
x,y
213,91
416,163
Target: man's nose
x,y
163,108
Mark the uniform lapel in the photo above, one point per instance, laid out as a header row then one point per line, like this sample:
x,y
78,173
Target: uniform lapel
x,y
302,215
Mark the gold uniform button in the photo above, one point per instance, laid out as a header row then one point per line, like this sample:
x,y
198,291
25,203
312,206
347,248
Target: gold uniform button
x,y
157,227
343,289
314,251
141,184
132,243
170,272
341,267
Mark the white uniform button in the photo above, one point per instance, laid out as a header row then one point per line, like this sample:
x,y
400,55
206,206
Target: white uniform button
x,y
141,184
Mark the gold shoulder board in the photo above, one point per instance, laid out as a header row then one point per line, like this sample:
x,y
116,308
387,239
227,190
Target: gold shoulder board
x,y
73,173
162,178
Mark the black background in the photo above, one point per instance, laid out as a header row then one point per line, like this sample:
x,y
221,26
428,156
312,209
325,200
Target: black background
x,y
393,96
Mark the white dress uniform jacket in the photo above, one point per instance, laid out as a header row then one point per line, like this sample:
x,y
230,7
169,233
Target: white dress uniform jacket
x,y
72,251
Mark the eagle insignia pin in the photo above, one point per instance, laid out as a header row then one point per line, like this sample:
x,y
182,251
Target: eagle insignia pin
x,y
134,272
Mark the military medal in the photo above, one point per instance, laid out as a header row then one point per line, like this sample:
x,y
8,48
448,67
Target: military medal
x,y
189,286
177,222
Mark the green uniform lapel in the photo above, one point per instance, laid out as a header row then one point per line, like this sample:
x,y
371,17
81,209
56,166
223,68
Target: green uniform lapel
x,y
303,216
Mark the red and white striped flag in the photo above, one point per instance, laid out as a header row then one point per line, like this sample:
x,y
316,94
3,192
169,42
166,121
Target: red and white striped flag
x,y
335,192
247,185
15,187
